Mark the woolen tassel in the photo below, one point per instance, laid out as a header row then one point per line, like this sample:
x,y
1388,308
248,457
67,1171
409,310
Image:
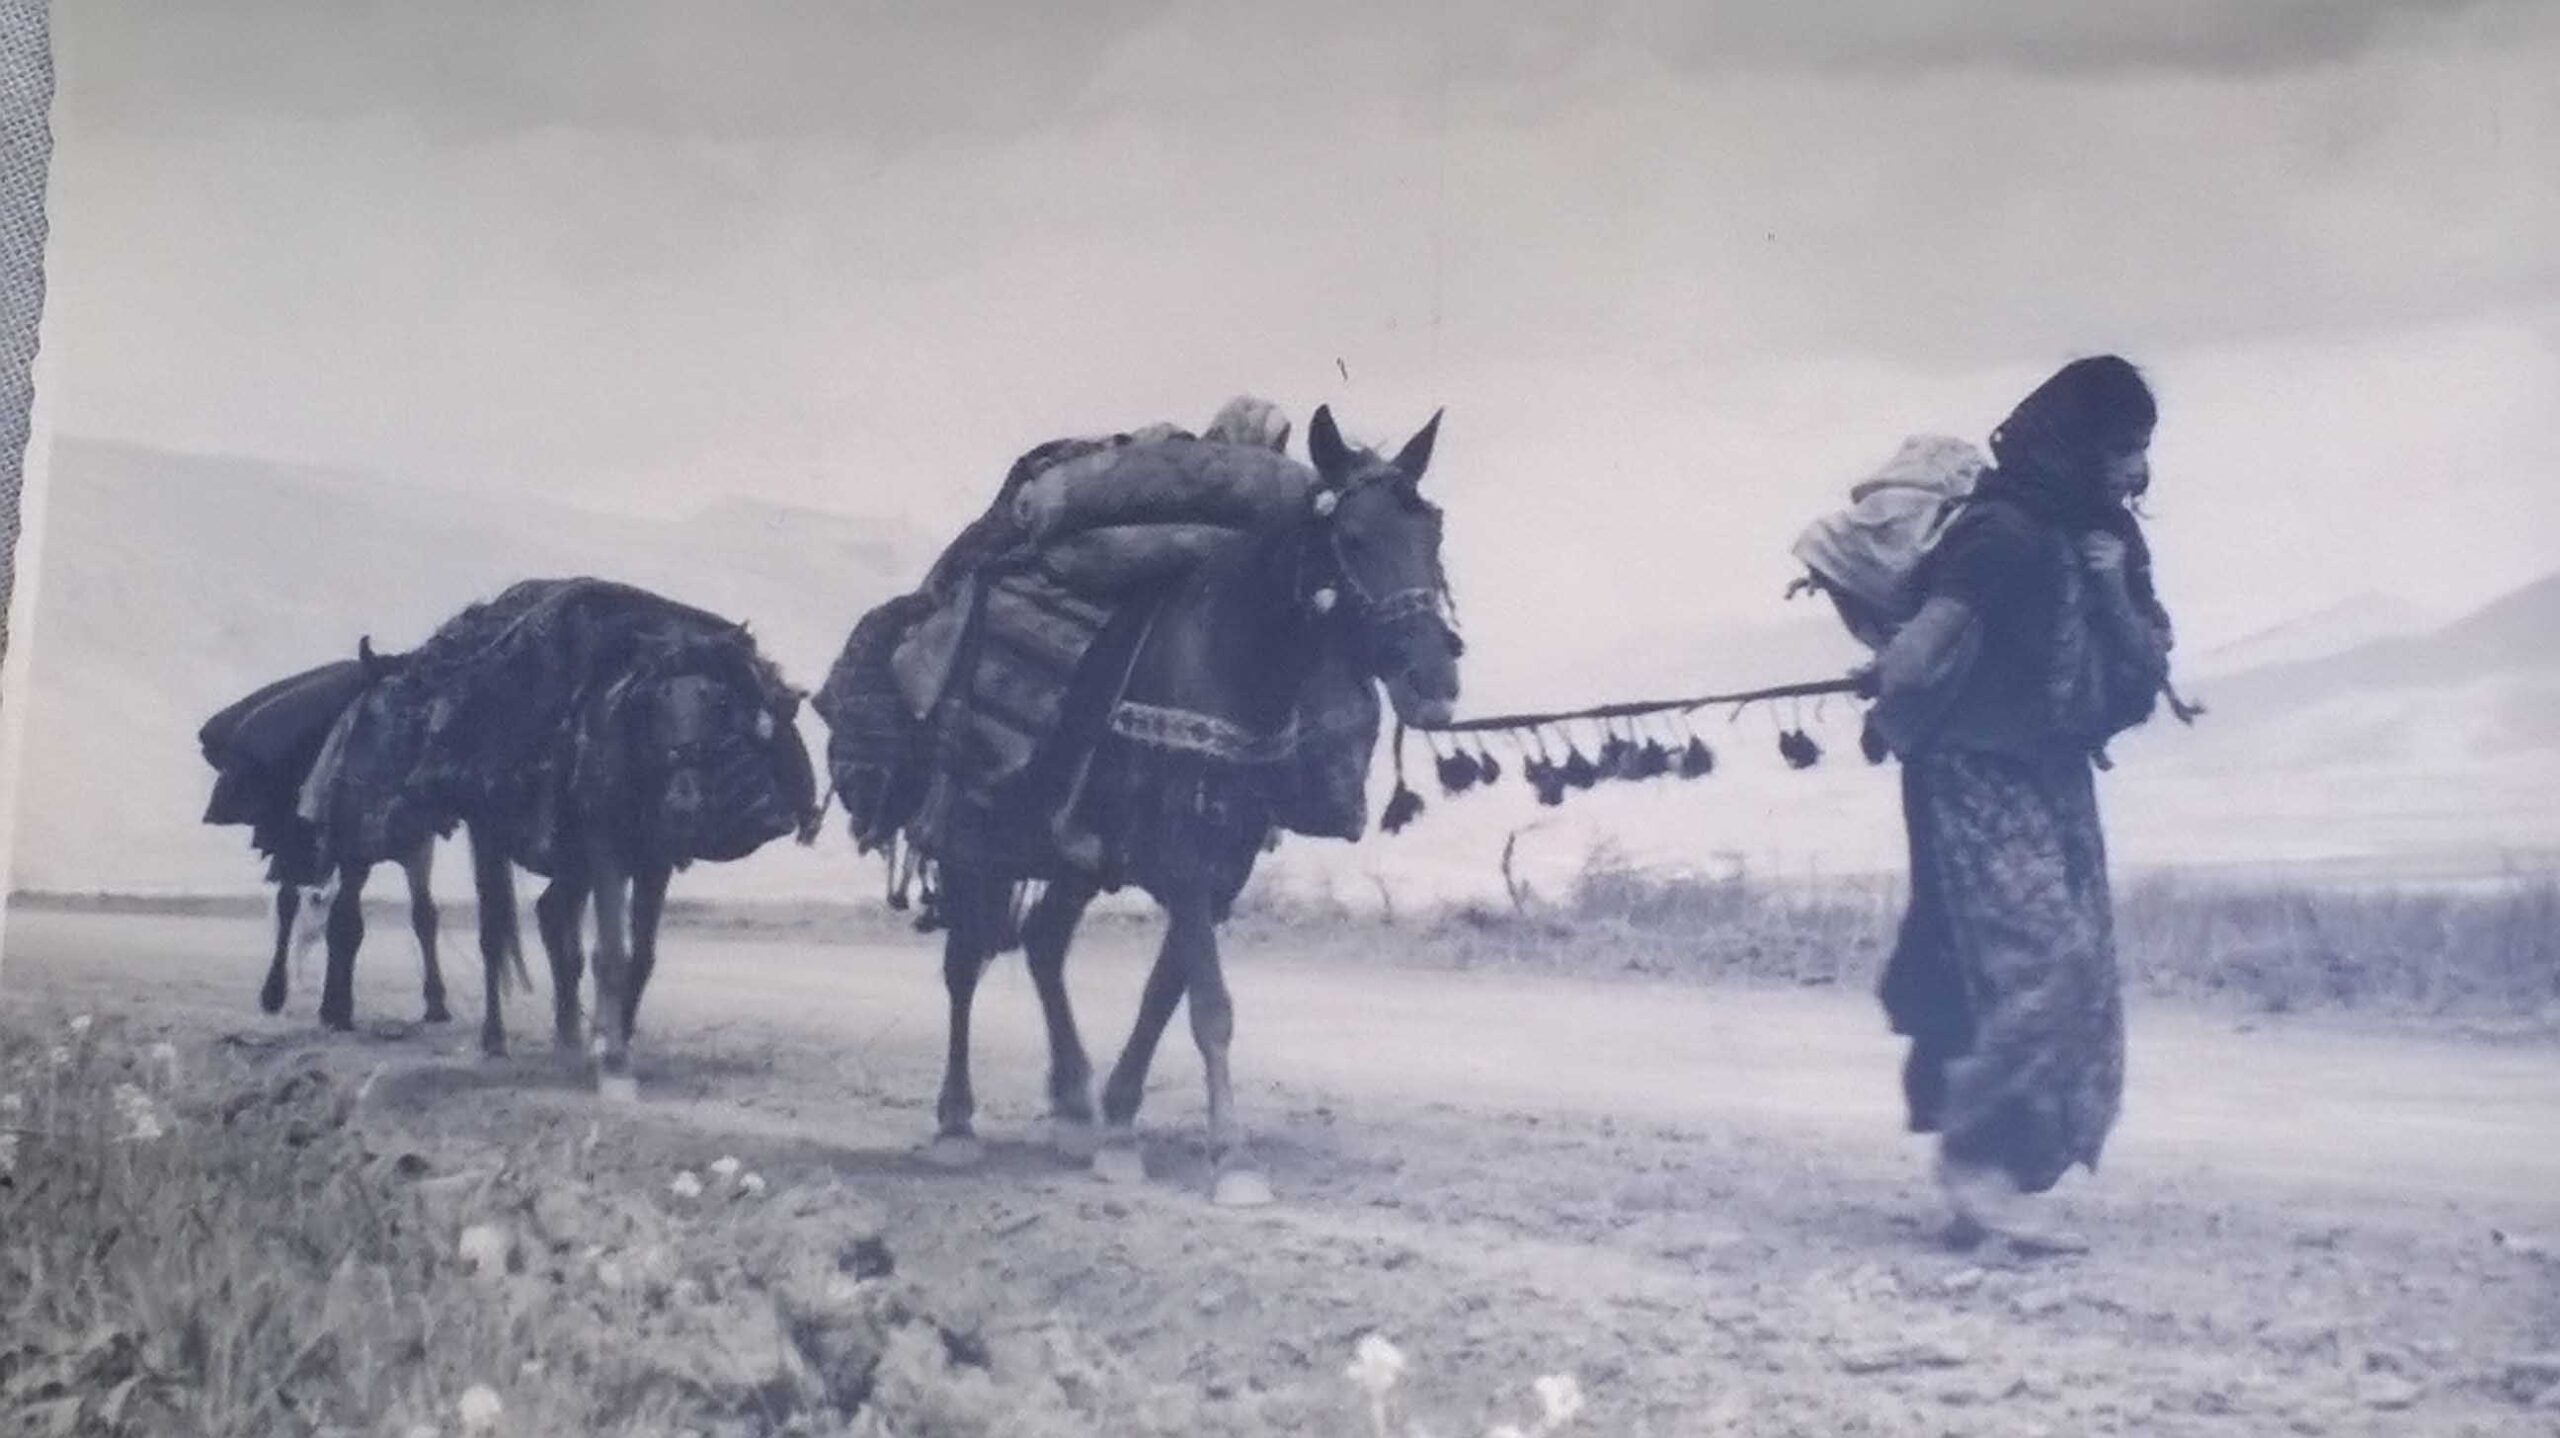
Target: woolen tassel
x,y
1579,771
1798,749
1402,804
1402,807
1653,760
1697,761
1614,758
1488,768
1871,742
1457,772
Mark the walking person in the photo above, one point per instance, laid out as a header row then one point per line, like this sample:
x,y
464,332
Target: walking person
x,y
2039,638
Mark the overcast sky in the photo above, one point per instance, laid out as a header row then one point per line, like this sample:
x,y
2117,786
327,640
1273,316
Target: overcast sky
x,y
1679,271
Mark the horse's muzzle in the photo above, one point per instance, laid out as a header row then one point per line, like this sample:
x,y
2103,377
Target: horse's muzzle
x,y
1416,708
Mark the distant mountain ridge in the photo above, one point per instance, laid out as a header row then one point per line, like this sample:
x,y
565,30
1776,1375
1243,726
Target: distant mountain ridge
x,y
2350,623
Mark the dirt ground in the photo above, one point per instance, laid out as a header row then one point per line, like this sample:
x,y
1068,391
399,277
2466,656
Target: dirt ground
x,y
1698,1200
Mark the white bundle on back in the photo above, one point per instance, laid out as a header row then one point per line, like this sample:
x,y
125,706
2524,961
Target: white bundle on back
x,y
1865,556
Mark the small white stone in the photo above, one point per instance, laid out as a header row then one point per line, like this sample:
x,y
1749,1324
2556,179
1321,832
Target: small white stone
x,y
484,1249
480,1409
1560,1395
725,1168
2388,1391
686,1184
752,1185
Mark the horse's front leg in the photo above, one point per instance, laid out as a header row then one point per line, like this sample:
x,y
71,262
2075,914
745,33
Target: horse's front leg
x,y
557,915
1118,1159
420,866
976,904
493,879
610,887
1046,935
346,935
648,906
288,905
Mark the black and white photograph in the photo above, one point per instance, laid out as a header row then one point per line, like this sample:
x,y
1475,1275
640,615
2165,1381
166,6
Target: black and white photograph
x,y
1630,717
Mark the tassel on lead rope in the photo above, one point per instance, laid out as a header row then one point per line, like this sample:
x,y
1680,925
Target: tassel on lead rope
x,y
1404,804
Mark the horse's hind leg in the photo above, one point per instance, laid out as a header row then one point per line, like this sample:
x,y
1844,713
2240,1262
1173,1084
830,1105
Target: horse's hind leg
x,y
288,906
420,866
1046,934
346,935
1118,1159
493,880
978,907
557,914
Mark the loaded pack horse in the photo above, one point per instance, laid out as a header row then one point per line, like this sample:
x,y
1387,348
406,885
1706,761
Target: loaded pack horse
x,y
263,749
596,734
691,753
1179,783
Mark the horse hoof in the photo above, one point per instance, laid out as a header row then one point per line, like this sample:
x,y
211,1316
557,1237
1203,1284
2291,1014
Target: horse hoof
x,y
1076,1140
271,1001
437,1013
618,1088
338,1023
954,1150
1120,1163
1241,1188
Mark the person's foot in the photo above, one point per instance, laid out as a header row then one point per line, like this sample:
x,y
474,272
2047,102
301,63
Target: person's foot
x,y
1985,1203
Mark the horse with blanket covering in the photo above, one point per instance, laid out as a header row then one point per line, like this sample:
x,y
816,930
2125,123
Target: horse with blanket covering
x,y
1102,706
597,734
262,749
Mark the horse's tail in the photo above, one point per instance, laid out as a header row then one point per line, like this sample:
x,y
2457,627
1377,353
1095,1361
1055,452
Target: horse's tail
x,y
519,977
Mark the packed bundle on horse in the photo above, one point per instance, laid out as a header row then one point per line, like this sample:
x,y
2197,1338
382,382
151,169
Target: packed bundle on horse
x,y
985,656
262,748
873,739
1172,481
283,722
509,713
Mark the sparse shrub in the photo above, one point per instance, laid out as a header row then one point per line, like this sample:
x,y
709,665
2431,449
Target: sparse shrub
x,y
235,1259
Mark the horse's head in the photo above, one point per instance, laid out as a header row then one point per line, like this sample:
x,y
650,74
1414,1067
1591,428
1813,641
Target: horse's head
x,y
1380,573
714,727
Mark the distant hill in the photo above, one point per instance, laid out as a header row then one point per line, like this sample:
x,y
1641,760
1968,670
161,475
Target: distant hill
x,y
174,583
2423,743
2348,624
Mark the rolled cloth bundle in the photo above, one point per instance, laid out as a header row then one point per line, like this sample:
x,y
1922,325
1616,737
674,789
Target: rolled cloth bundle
x,y
283,723
1118,558
1174,481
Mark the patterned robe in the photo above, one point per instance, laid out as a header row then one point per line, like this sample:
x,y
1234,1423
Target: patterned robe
x,y
2004,976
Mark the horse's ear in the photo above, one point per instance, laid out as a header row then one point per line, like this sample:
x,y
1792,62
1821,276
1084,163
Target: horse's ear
x,y
1415,457
365,657
1324,444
